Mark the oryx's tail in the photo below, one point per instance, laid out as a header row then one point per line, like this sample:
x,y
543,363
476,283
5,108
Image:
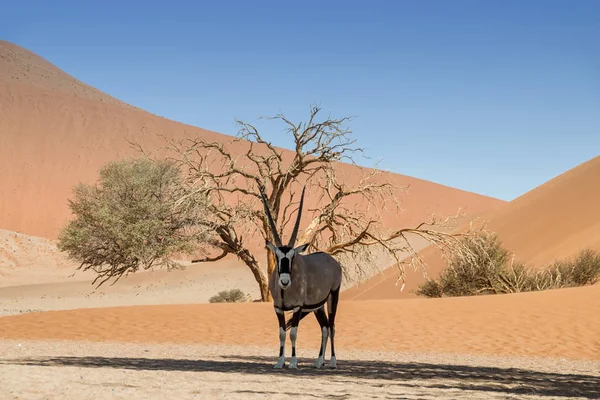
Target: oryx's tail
x,y
288,324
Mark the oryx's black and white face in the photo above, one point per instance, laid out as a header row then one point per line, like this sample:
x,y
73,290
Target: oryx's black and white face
x,y
284,257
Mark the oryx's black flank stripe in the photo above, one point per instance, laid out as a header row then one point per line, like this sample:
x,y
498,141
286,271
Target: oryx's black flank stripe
x,y
305,313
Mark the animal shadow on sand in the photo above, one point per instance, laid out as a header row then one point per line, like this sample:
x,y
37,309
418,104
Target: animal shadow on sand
x,y
509,381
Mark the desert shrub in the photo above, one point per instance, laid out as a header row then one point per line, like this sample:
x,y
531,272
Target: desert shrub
x,y
230,296
133,218
492,271
430,289
470,276
582,270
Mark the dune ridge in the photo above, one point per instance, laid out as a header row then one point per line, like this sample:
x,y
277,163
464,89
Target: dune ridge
x,y
59,131
552,222
19,65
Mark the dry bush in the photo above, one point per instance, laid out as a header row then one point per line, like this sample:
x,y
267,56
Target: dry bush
x,y
492,271
131,219
583,270
230,296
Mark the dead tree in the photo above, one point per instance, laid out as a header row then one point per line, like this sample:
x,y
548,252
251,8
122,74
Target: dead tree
x,y
345,222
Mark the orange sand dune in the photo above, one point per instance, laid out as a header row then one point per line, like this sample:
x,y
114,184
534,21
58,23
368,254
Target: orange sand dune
x,y
555,323
555,220
551,222
57,132
19,65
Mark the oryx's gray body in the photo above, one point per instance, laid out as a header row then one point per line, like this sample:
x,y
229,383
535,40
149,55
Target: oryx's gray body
x,y
313,276
303,284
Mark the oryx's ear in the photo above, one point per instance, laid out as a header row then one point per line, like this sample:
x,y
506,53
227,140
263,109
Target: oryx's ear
x,y
270,246
301,248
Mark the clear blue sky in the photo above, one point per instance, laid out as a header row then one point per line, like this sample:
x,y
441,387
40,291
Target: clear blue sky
x,y
494,97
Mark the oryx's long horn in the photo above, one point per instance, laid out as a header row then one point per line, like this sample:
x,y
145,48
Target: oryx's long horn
x,y
269,217
295,232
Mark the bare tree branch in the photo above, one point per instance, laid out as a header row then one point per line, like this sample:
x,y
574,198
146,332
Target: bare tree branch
x,y
346,220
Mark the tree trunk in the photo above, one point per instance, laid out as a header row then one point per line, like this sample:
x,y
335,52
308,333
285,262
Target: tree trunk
x,y
263,282
271,264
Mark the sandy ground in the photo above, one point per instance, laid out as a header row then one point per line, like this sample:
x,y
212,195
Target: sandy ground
x,y
83,370
196,284
35,276
26,259
554,323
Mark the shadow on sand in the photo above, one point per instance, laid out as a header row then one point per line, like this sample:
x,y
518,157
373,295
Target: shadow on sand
x,y
509,381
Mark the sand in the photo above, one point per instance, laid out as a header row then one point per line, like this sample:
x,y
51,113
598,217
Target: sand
x,y
540,345
195,284
553,323
84,370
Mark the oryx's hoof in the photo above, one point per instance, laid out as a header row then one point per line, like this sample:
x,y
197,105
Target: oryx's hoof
x,y
280,363
318,363
332,363
293,364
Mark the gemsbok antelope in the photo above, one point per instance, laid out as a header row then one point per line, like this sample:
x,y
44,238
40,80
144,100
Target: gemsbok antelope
x,y
302,284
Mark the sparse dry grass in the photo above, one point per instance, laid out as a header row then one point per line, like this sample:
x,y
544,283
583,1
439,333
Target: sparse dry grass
x,y
493,271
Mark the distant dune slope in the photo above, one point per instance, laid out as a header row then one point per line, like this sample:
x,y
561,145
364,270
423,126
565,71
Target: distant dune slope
x,y
19,65
57,131
29,259
554,323
553,221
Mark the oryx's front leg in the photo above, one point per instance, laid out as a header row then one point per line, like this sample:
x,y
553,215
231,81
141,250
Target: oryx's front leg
x,y
294,335
281,319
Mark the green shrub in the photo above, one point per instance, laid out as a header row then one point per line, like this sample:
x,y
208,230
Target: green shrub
x,y
490,270
230,296
133,218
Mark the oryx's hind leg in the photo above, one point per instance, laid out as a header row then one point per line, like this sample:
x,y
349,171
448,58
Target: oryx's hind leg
x,y
332,304
281,319
322,318
294,335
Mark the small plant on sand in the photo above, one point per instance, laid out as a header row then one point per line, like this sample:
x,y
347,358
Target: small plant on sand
x,y
134,218
492,271
230,296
